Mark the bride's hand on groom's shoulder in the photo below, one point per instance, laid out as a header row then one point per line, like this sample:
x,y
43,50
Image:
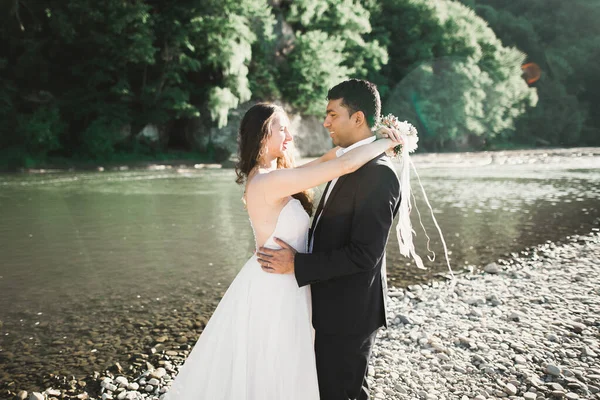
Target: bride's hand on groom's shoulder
x,y
277,261
389,133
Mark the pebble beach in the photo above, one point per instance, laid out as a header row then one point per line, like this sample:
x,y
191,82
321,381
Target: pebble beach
x,y
524,327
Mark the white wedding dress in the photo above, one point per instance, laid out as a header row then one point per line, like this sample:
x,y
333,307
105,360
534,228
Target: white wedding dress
x,y
258,344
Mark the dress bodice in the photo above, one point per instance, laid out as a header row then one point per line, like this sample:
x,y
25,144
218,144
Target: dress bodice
x,y
291,227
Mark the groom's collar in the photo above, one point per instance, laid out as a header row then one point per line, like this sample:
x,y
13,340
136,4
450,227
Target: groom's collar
x,y
341,151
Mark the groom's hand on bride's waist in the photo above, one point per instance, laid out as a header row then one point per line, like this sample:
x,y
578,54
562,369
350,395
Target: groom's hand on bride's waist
x,y
277,261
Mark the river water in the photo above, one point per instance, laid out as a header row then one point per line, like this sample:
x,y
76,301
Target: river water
x,y
96,267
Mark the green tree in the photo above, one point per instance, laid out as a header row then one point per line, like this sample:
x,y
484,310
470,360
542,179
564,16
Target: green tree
x,y
106,69
562,38
449,73
315,66
7,112
75,56
331,45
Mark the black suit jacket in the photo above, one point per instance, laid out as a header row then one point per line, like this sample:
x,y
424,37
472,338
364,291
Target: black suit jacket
x,y
346,269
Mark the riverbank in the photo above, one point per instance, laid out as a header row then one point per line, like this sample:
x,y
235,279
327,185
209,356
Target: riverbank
x,y
525,327
557,156
528,327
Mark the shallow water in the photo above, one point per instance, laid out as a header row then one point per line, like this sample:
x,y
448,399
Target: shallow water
x,y
94,266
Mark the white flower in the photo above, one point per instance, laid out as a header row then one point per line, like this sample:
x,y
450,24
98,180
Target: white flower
x,y
407,132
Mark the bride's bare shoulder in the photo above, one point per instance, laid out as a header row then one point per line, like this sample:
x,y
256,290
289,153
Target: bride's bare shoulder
x,y
256,182
263,177
262,185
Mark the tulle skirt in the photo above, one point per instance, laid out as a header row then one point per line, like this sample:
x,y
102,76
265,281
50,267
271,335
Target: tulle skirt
x,y
258,345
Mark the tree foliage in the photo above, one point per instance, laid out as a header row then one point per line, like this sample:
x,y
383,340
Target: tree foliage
x,y
562,38
111,67
84,78
330,46
449,73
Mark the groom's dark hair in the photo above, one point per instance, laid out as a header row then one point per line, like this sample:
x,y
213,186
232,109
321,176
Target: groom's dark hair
x,y
358,95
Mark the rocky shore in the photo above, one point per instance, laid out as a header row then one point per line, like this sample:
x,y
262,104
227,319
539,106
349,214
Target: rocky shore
x,y
526,327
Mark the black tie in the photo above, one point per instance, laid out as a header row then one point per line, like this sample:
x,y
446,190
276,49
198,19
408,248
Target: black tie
x,y
319,209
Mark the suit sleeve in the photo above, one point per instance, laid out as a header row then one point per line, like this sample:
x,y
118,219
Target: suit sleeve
x,y
375,200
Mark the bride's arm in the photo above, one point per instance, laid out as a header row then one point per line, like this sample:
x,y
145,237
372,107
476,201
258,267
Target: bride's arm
x,y
286,182
330,155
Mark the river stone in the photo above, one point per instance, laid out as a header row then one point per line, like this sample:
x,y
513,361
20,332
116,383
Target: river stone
x,y
36,396
588,352
105,381
122,381
553,370
519,359
577,386
492,268
510,389
577,327
110,387
400,389
552,337
158,373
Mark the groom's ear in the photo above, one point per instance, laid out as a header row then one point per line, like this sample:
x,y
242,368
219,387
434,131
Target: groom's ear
x,y
359,118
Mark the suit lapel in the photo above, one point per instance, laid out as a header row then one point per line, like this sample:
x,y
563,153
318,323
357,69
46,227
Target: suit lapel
x,y
337,187
316,214
334,191
320,206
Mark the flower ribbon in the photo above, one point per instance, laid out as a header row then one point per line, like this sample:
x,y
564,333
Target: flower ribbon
x,y
404,229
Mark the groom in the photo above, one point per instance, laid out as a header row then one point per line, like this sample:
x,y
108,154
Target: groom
x,y
345,264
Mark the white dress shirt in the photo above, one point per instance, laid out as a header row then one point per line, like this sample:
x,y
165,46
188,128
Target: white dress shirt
x,y
339,153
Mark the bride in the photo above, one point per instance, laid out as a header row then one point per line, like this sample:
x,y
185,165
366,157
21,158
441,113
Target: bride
x,y
258,344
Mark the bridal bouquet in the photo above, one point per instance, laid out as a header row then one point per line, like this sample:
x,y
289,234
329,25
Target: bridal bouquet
x,y
407,131
404,230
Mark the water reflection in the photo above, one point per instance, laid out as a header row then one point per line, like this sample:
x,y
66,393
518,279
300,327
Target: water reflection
x,y
121,233
486,217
